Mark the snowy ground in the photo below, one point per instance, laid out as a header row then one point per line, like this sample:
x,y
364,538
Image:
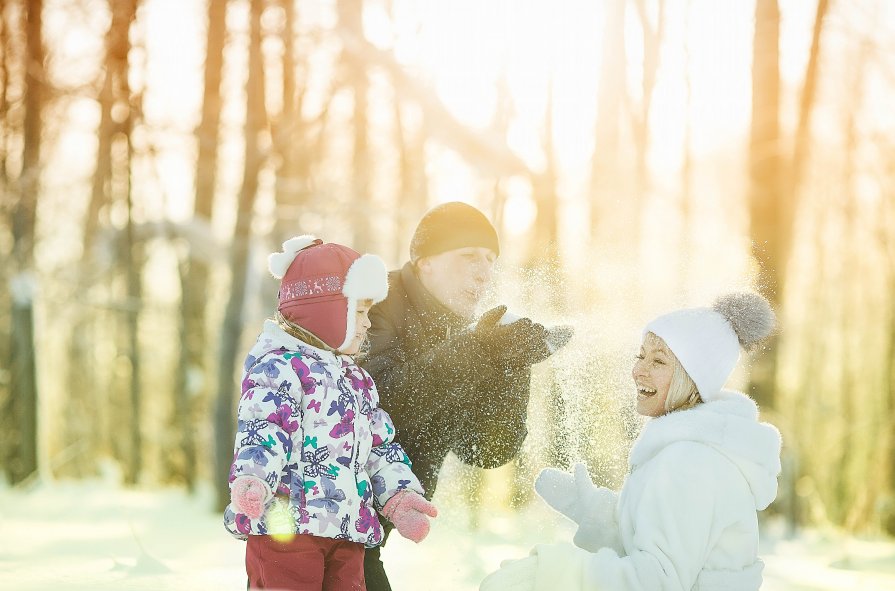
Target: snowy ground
x,y
93,536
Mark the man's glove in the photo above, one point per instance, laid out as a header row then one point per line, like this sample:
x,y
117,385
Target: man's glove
x,y
489,321
558,336
518,342
521,344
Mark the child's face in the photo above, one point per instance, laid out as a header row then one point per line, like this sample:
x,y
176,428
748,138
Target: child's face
x,y
361,324
652,372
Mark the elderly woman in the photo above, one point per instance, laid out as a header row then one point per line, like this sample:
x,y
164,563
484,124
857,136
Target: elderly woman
x,y
701,469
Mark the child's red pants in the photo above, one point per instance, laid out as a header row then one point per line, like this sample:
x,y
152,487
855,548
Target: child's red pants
x,y
305,563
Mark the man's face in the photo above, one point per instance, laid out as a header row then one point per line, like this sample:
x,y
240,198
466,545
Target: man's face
x,y
458,278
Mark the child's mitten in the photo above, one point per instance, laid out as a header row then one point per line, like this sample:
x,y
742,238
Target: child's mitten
x,y
410,513
248,495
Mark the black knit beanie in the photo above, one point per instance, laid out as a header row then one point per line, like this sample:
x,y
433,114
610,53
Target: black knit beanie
x,y
450,226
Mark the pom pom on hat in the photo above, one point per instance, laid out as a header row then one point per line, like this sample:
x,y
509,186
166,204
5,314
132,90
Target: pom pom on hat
x,y
278,262
707,341
749,315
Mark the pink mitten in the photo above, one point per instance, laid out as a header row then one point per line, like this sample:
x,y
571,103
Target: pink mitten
x,y
248,495
408,510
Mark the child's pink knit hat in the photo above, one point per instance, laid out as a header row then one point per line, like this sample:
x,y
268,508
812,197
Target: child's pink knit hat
x,y
320,285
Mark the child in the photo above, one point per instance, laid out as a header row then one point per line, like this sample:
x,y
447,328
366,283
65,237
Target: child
x,y
315,458
701,469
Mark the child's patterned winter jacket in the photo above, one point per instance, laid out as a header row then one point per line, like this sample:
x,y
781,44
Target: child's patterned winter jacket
x,y
310,427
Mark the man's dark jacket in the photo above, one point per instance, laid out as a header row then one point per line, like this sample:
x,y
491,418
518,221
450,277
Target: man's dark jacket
x,y
444,386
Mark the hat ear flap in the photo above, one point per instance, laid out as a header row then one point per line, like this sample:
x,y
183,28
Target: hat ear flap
x,y
278,262
367,278
350,323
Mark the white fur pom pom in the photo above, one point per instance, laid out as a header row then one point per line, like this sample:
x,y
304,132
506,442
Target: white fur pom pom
x,y
278,262
749,314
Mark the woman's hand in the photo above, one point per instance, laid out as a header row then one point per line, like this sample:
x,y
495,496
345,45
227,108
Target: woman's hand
x,y
569,494
513,575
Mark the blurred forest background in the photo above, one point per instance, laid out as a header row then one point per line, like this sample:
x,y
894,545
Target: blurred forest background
x,y
635,155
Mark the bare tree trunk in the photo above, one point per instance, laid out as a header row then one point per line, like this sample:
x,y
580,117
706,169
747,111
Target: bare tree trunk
x,y
845,484
5,61
500,124
544,251
888,520
888,513
351,16
652,41
133,271
807,426
765,168
605,159
113,90
23,378
129,258
545,257
803,130
291,143
228,391
190,387
773,197
412,188
290,138
6,430
885,219
80,434
773,193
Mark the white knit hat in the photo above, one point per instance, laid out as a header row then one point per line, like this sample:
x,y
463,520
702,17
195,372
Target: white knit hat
x,y
707,341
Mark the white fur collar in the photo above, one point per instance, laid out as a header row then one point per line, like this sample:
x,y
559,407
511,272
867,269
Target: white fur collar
x,y
728,424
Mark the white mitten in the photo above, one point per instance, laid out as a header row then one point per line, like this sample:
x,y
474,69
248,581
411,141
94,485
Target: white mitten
x,y
598,526
591,507
568,494
513,575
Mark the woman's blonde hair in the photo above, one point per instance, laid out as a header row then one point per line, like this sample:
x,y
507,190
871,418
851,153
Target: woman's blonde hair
x,y
682,392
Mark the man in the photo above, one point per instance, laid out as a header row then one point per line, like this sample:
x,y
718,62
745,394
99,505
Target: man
x,y
450,385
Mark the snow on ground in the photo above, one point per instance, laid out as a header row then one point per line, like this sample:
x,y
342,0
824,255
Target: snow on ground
x,y
98,536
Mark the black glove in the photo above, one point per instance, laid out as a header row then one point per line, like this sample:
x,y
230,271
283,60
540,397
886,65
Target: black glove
x,y
487,324
519,344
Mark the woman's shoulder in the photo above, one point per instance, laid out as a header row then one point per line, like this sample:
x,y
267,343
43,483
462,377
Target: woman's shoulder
x,y
685,465
687,452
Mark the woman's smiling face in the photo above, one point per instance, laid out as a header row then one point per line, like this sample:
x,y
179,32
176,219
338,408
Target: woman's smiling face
x,y
652,371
